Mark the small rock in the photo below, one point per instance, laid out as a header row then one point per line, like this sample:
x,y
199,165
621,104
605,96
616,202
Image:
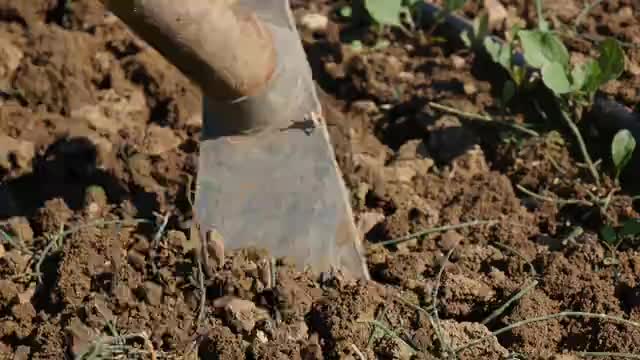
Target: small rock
x,y
13,149
159,140
240,314
176,239
21,228
298,331
22,353
462,293
81,336
365,106
470,88
153,293
2,251
450,239
458,62
136,260
368,220
10,58
497,13
315,22
23,313
142,245
8,291
26,296
262,337
458,334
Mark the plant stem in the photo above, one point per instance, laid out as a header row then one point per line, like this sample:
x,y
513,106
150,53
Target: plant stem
x,y
585,11
515,298
575,314
480,117
582,145
553,200
434,303
433,231
608,354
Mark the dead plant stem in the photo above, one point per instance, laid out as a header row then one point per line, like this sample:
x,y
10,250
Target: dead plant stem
x,y
433,231
513,299
574,314
434,303
485,118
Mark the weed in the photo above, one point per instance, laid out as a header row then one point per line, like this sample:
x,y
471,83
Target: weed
x,y
573,86
612,237
622,148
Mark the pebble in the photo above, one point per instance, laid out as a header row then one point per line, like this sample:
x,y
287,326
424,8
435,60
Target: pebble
x,y
315,22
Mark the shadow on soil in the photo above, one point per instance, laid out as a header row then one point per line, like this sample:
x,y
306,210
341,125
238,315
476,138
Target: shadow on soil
x,y
65,170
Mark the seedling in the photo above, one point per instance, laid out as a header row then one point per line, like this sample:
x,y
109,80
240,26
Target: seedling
x,y
612,237
622,148
574,87
394,13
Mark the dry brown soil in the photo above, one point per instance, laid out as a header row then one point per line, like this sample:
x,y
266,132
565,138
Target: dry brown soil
x,y
97,132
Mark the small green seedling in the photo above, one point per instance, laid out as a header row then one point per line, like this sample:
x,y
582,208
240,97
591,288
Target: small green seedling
x,y
390,13
574,86
393,12
622,148
613,237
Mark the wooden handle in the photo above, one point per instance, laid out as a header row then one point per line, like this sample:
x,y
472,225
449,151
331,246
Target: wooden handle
x,y
225,49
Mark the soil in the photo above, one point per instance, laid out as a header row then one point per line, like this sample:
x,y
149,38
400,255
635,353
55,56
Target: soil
x,y
98,139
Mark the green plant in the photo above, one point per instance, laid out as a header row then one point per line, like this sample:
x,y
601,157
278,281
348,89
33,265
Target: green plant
x,y
612,237
574,87
393,12
622,148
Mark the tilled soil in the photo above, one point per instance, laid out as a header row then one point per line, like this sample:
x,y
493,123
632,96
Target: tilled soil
x,y
98,139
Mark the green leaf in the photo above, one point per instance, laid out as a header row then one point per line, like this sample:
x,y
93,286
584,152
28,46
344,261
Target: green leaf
x,y
608,235
555,78
586,77
541,48
622,148
630,227
500,53
611,60
385,12
346,11
508,91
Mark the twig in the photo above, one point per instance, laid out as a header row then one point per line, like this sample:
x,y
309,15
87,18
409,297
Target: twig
x,y
434,302
558,201
57,240
203,295
17,244
585,11
161,229
582,145
575,314
415,307
388,332
433,231
485,118
532,269
378,320
153,251
361,356
106,344
608,354
515,298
